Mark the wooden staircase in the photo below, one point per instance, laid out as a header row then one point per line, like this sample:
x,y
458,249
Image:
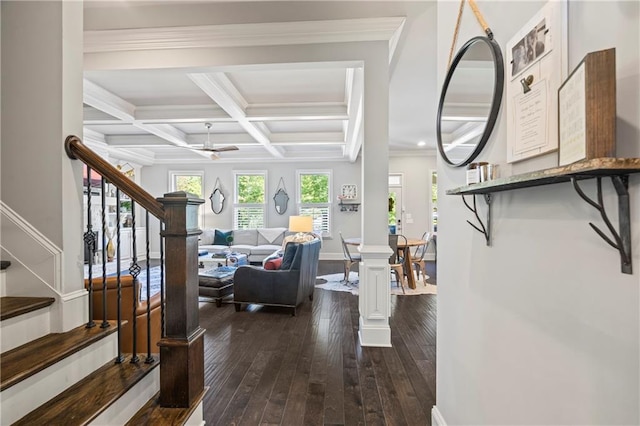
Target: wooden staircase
x,y
72,378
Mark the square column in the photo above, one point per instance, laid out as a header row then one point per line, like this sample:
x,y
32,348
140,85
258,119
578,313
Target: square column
x,y
375,276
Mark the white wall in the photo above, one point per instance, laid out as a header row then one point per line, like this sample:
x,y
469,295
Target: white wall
x,y
540,328
416,191
155,179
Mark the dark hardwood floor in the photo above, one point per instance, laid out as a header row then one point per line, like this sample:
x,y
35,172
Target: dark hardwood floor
x,y
264,366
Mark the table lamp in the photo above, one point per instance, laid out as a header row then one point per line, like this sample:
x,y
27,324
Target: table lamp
x,y
302,225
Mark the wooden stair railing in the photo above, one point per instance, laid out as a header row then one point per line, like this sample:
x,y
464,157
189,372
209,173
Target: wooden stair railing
x,y
76,150
182,344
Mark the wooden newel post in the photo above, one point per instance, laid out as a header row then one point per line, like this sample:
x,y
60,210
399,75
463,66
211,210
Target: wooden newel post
x,y
182,348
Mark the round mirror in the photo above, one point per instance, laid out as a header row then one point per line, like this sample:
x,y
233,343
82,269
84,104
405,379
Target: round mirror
x,y
281,200
217,201
470,101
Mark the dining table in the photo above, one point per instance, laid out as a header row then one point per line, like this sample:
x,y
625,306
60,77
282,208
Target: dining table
x,y
406,255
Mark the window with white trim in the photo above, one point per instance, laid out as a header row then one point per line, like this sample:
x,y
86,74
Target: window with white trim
x,y
249,207
314,198
192,182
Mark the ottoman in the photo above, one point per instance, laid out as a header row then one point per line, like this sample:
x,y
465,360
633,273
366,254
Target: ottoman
x,y
216,283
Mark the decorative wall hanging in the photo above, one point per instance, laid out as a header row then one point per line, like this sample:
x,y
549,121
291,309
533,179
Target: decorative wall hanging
x,y
587,109
281,198
217,198
536,65
471,95
349,191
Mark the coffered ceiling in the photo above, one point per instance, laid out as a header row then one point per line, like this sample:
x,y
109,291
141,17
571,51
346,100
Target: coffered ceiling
x,y
275,112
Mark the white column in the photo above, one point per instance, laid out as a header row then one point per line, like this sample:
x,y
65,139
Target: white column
x,y
374,268
42,65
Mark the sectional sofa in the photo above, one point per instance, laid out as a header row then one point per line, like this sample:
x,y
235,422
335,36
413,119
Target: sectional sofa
x,y
256,243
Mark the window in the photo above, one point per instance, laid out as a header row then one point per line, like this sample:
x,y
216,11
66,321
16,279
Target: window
x,y
314,199
191,182
249,208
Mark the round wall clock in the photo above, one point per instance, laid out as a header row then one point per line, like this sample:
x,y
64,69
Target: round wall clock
x,y
349,191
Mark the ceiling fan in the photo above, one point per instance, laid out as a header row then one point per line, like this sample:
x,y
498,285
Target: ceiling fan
x,y
208,146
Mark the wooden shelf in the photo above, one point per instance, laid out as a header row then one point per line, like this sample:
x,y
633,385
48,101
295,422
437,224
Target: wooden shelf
x,y
349,207
618,169
581,170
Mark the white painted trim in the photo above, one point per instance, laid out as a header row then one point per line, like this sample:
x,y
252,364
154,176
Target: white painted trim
x,y
22,329
34,391
38,238
236,35
375,336
132,401
196,418
436,417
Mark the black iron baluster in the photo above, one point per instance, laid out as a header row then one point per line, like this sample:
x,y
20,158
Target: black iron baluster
x,y
134,269
90,241
149,359
103,198
163,334
119,357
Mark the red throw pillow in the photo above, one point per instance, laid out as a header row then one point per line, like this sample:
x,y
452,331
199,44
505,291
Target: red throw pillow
x,y
273,264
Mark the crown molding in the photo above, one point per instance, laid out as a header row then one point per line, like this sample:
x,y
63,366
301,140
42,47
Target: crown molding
x,y
237,35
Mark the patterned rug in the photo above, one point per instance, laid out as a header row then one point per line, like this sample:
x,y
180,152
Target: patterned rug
x,y
334,282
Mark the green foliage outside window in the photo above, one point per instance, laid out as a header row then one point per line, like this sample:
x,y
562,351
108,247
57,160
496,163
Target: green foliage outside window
x,y
314,188
250,189
191,184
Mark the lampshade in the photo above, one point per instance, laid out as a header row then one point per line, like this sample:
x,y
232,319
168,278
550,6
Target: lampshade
x,y
300,223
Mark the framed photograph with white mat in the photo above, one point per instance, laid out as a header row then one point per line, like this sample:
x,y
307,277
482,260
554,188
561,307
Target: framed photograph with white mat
x,y
536,65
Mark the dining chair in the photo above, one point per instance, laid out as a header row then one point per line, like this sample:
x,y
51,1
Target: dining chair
x,y
418,259
396,263
348,258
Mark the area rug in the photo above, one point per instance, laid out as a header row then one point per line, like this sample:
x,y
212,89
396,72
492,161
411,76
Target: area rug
x,y
334,282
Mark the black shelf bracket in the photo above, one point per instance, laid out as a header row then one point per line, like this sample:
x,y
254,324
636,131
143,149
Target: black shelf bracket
x,y
621,237
484,230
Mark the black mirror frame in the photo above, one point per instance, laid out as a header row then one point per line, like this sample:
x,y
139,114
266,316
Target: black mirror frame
x,y
281,194
495,102
221,200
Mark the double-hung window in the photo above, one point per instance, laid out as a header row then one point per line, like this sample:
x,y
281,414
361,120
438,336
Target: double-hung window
x,y
249,209
189,181
314,198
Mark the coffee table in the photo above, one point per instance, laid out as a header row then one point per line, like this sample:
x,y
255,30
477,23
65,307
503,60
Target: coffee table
x,y
210,261
216,283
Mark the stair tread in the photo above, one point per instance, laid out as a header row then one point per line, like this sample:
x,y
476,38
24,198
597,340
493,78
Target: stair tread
x,y
4,264
153,414
85,400
13,306
26,360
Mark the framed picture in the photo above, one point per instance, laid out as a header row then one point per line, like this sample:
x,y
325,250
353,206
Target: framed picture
x,y
587,109
536,64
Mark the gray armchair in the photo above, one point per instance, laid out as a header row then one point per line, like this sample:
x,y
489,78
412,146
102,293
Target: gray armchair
x,y
282,287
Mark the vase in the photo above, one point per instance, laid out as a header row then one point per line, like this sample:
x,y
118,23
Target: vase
x,y
111,250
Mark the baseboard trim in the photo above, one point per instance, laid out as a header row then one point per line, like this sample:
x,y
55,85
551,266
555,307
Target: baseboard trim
x,y
436,417
374,335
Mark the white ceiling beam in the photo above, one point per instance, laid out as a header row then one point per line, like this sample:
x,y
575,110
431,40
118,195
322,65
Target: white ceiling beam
x,y
109,103
212,113
105,101
89,135
219,88
471,130
354,91
297,111
240,139
255,34
181,114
